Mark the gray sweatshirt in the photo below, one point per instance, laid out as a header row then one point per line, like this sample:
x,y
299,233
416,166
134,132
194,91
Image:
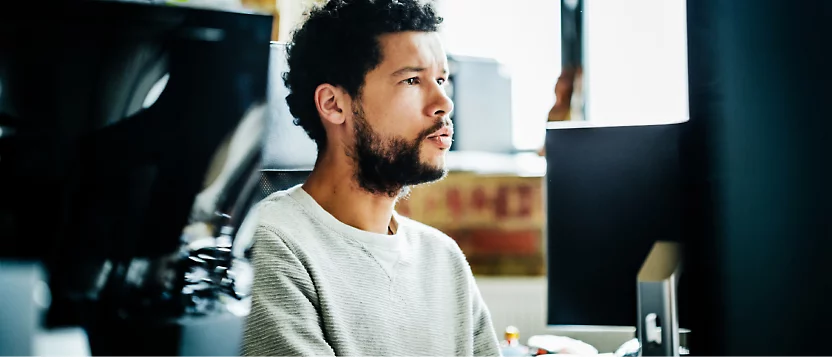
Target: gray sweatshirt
x,y
322,287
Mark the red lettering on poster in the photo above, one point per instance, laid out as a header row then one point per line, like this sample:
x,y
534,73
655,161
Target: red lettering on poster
x,y
526,199
501,202
478,198
453,198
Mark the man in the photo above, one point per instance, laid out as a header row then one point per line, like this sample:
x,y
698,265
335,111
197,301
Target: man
x,y
337,271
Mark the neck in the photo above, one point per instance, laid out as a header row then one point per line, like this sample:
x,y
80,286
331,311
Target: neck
x,y
332,184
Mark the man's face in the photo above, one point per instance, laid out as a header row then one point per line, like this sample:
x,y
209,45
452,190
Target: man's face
x,y
402,119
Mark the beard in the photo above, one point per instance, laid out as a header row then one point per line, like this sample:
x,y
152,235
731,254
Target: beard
x,y
389,165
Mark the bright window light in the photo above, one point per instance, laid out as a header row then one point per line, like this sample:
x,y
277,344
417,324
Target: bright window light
x,y
635,62
524,35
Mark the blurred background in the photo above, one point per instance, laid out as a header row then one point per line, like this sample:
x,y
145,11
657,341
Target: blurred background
x,y
629,177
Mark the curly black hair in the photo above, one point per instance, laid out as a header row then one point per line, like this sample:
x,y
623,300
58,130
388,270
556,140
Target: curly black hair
x,y
338,44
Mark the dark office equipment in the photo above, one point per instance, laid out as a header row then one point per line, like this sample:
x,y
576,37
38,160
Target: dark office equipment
x,y
129,144
612,192
658,315
756,161
19,309
754,215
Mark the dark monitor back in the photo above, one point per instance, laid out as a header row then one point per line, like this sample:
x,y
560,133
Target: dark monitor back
x,y
612,192
87,168
96,173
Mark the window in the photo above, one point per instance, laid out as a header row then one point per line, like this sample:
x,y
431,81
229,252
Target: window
x,y
635,61
524,35
635,58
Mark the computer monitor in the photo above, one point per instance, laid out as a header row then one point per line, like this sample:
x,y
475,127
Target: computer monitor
x,y
612,192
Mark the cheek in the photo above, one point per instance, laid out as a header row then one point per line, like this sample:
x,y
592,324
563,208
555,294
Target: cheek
x,y
397,116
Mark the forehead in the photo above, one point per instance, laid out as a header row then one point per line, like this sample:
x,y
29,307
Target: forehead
x,y
412,48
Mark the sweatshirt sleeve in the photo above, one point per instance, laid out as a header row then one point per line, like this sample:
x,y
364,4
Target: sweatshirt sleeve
x,y
485,339
284,318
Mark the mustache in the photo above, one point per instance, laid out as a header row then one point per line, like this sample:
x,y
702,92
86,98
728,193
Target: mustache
x,y
435,127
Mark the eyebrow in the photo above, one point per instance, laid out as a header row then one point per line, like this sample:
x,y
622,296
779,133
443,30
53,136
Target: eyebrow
x,y
407,69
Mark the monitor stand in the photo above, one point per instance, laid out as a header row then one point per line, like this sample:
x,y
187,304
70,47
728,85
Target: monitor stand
x,y
658,317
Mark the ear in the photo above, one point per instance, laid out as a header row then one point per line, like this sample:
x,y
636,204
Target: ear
x,y
331,102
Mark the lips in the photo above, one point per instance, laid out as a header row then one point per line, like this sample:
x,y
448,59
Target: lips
x,y
442,137
444,131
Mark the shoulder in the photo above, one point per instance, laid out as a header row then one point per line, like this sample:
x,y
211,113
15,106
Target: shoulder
x,y
279,215
430,236
274,203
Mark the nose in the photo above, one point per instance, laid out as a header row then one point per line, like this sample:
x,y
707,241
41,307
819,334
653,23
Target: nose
x,y
440,104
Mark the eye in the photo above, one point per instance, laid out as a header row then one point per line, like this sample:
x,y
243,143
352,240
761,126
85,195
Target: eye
x,y
441,81
411,81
